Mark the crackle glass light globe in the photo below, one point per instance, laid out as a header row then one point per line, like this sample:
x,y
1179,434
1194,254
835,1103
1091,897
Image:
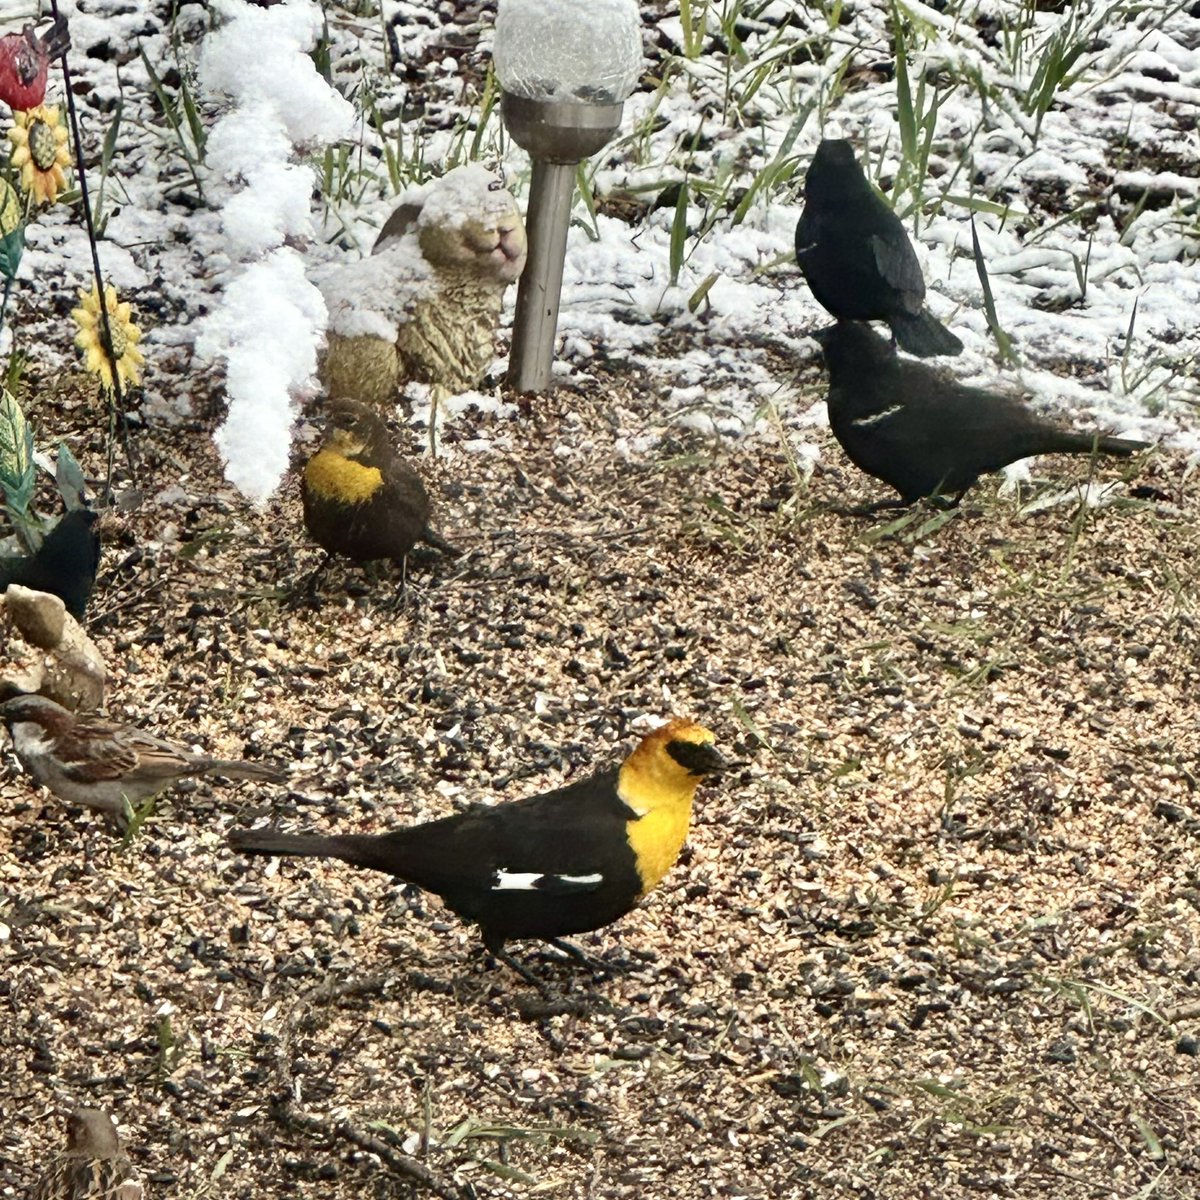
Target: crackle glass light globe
x,y
581,51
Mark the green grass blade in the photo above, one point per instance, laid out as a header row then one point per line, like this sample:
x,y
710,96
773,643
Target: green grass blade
x,y
679,232
1003,342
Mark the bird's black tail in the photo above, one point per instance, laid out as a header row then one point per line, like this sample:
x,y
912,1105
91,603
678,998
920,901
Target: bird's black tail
x,y
362,850
1085,443
1121,447
431,537
924,335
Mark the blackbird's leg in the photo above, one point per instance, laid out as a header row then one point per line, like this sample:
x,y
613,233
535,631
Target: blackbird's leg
x,y
306,587
524,972
869,510
946,503
495,947
601,966
400,565
572,951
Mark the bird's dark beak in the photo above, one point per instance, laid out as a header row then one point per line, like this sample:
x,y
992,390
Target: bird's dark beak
x,y
822,336
697,758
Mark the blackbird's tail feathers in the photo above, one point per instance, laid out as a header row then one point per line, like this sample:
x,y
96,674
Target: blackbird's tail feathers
x,y
374,853
924,335
1070,442
1121,447
431,537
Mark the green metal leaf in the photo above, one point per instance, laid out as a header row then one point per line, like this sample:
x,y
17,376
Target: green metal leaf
x,y
17,474
12,246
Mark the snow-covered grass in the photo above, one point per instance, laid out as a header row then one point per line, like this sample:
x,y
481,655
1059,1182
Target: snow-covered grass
x,y
1067,137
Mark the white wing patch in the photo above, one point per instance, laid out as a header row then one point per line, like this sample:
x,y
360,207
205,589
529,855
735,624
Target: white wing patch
x,y
875,418
516,881
528,881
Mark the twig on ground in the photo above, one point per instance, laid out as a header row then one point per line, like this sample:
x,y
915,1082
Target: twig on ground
x,y
288,1112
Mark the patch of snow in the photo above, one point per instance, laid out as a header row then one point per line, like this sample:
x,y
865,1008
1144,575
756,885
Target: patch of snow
x,y
271,319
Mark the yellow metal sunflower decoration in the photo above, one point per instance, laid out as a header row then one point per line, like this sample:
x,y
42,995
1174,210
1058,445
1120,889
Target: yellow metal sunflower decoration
x,y
125,336
40,152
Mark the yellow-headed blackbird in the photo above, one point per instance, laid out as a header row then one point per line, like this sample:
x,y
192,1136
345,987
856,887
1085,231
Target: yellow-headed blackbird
x,y
87,760
563,862
857,258
361,499
923,433
64,565
93,1166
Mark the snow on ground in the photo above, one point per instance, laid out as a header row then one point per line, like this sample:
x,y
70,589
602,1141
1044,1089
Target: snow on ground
x,y
1088,220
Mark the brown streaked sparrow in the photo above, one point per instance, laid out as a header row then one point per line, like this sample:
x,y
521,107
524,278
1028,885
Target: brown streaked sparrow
x,y
86,760
93,1166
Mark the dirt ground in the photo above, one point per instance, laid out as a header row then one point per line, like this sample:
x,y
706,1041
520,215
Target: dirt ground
x,y
937,933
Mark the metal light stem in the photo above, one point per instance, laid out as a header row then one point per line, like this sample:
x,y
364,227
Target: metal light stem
x,y
558,136
540,289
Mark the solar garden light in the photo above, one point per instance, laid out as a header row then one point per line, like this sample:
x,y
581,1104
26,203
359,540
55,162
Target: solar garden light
x,y
565,68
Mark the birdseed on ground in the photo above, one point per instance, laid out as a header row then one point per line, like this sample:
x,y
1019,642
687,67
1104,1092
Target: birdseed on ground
x,y
936,933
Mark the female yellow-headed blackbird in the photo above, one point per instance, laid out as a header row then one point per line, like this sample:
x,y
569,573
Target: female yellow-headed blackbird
x,y
361,499
562,862
93,1166
924,434
858,259
64,565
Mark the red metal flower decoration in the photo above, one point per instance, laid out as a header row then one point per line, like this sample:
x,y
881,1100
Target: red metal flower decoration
x,y
25,63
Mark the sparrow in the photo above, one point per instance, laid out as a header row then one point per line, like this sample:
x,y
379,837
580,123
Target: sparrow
x,y
925,434
857,258
65,564
89,761
93,1166
560,862
361,499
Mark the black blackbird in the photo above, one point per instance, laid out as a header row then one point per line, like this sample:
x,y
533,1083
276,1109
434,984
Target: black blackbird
x,y
857,258
561,862
908,425
361,499
64,565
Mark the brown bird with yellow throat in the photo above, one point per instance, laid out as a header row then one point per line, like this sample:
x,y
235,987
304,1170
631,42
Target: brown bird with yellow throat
x,y
361,499
562,862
